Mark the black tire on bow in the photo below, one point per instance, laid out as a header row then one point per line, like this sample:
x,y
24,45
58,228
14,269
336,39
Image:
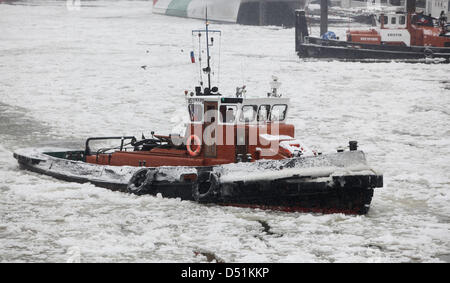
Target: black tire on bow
x,y
206,189
141,181
428,53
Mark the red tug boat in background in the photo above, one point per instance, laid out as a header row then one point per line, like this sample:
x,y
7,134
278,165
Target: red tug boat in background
x,y
235,151
408,36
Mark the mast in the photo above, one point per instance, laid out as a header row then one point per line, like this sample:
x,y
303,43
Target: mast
x,y
208,68
209,43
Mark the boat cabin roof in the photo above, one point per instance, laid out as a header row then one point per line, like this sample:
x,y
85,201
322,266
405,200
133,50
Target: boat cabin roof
x,y
236,110
398,20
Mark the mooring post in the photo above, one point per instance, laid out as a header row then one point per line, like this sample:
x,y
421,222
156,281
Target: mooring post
x,y
262,13
323,16
411,6
301,28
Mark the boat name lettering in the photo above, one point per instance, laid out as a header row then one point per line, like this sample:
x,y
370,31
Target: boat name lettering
x,y
394,34
369,38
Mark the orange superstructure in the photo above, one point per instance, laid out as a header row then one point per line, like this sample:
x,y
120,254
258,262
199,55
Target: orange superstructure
x,y
220,131
404,29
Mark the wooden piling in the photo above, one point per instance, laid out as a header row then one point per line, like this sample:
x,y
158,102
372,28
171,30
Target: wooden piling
x,y
323,16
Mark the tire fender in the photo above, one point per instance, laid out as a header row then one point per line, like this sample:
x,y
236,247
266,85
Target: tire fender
x,y
141,181
211,194
428,53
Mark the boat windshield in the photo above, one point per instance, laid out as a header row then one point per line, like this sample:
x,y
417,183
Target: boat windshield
x,y
228,113
383,18
263,113
248,113
278,112
195,112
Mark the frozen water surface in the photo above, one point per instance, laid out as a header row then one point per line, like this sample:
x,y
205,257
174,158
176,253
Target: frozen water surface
x,y
66,75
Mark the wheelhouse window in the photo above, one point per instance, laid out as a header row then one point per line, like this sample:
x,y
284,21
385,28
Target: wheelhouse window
x,y
278,112
384,19
402,20
195,112
393,20
228,113
248,113
263,113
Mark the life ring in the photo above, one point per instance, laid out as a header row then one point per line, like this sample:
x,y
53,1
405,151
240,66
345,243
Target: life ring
x,y
194,140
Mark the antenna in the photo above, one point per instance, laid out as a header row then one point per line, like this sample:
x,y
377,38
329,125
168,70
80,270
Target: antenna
x,y
200,58
209,43
208,68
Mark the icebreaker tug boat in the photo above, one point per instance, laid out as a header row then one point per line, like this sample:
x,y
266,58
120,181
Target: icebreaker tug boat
x,y
235,151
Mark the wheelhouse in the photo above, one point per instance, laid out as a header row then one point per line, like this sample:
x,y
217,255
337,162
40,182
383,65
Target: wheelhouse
x,y
237,128
392,21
